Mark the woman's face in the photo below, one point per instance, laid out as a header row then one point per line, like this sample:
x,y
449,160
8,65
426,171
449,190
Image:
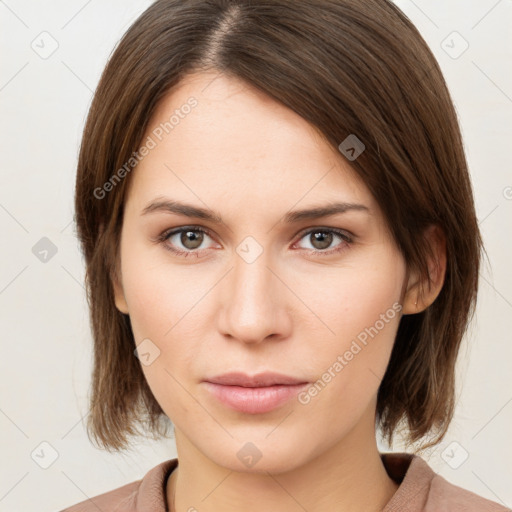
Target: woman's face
x,y
266,289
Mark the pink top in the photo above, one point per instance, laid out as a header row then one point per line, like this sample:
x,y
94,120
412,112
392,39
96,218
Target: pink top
x,y
421,490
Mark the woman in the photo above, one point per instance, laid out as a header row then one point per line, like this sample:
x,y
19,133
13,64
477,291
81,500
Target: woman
x,y
282,256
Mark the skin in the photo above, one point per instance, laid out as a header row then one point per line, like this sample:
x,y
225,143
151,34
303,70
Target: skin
x,y
292,310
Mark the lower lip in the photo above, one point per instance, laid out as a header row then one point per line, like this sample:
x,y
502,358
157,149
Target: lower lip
x,y
254,400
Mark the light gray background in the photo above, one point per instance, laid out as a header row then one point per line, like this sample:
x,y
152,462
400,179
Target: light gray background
x,y
46,341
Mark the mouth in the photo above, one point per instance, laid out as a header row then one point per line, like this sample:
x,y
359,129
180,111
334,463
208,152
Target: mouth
x,y
256,394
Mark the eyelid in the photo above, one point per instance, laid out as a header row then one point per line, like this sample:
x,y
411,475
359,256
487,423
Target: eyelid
x,y
300,234
346,236
173,231
338,231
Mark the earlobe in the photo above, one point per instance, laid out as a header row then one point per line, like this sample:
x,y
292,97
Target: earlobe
x,y
119,297
411,294
421,293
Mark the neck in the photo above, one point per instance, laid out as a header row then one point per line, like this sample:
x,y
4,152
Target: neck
x,y
349,476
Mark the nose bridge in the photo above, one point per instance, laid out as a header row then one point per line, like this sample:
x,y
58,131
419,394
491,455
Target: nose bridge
x,y
253,306
252,277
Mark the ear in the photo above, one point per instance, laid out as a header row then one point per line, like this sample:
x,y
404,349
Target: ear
x,y
117,285
421,293
119,297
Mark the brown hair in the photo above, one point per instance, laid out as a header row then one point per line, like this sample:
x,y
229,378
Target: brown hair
x,y
346,66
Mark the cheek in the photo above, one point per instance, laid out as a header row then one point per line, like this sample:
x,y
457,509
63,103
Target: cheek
x,y
159,295
361,311
349,299
160,313
161,301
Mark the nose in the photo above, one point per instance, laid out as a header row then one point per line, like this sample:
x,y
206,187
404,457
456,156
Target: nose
x,y
254,302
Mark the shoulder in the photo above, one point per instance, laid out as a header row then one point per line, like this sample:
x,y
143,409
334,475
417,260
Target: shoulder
x,y
445,496
141,495
422,490
118,499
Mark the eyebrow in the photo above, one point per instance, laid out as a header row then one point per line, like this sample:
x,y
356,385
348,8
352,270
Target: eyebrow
x,y
188,210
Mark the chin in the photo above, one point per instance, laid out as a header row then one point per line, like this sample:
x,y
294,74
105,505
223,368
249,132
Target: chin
x,y
260,457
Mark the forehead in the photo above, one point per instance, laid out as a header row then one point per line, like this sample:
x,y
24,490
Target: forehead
x,y
218,138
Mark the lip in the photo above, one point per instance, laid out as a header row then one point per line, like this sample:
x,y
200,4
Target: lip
x,y
255,381
255,394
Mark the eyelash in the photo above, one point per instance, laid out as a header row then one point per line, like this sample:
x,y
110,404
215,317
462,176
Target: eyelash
x,y
164,237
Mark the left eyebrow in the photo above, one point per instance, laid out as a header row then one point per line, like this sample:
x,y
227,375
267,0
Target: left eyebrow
x,y
188,210
324,211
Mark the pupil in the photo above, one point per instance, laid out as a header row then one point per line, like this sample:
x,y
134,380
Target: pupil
x,y
194,241
324,238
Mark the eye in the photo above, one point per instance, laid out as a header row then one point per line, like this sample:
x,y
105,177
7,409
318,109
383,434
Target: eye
x,y
321,238
185,240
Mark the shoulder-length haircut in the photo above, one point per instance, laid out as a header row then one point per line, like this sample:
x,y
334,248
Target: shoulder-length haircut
x,y
346,66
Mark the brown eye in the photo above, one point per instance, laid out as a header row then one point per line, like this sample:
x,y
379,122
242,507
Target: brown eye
x,y
191,239
321,239
184,241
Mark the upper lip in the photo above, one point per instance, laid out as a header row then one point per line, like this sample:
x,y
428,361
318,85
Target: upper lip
x,y
254,381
